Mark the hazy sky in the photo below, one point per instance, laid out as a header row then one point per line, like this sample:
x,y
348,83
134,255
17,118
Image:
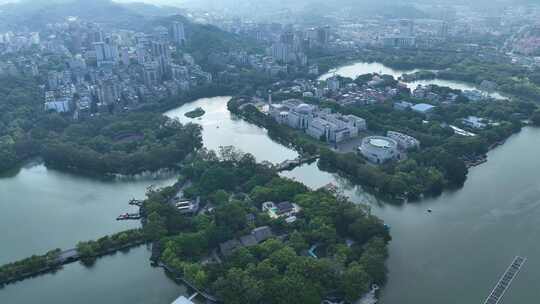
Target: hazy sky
x,y
190,3
162,2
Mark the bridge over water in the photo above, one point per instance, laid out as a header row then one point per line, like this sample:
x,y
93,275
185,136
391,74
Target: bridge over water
x,y
507,278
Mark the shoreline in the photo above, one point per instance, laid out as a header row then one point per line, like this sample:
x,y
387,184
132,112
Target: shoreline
x,y
59,263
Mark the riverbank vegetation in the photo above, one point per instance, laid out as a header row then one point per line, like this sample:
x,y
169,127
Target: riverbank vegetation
x,y
350,242
28,266
19,113
124,144
88,251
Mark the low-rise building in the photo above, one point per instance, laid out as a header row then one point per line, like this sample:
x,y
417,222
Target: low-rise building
x,y
405,142
188,206
474,122
58,104
423,108
473,95
402,105
320,124
379,149
281,210
257,236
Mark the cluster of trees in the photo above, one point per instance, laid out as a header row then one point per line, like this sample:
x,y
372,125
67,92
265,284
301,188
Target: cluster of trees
x,y
276,272
511,79
351,243
90,250
19,269
124,143
535,118
198,112
19,111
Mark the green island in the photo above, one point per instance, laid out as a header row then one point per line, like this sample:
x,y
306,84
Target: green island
x,y
329,247
238,249
198,112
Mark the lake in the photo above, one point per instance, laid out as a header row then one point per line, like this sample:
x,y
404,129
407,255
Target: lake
x,y
454,255
360,68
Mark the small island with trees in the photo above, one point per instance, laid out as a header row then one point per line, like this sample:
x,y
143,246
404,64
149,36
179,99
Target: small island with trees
x,y
242,252
240,247
198,112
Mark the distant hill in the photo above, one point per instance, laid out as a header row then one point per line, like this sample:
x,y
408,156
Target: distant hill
x,y
34,14
202,39
392,8
205,39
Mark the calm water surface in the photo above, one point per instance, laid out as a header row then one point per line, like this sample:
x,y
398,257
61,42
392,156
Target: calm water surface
x,y
360,68
221,128
42,209
122,278
453,255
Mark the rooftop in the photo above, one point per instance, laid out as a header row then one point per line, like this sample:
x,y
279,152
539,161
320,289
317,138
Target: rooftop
x,y
423,107
182,300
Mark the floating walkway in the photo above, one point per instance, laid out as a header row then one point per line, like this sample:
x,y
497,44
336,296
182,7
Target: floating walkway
x,y
504,283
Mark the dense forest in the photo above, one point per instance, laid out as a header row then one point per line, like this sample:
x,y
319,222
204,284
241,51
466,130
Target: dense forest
x,y
123,143
20,109
351,243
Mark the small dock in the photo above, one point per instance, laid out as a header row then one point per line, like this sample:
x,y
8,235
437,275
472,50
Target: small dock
x,y
504,283
134,202
129,216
